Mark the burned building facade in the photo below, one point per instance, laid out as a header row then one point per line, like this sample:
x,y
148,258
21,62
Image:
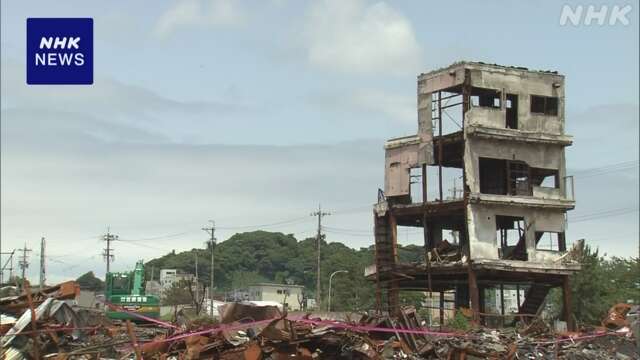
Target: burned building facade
x,y
498,132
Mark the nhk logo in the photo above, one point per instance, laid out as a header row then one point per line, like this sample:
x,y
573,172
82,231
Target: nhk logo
x,y
59,51
56,58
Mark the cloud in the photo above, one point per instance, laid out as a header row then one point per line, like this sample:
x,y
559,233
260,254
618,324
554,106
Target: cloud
x,y
199,14
396,106
392,107
112,102
595,147
349,36
57,173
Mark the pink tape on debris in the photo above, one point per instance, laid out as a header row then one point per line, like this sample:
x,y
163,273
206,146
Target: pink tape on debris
x,y
139,316
216,329
368,328
331,323
334,324
582,337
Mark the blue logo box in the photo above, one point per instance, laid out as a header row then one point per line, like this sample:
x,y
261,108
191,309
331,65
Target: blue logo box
x,y
59,51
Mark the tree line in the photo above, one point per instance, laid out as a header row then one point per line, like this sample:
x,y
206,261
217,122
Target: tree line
x,y
262,256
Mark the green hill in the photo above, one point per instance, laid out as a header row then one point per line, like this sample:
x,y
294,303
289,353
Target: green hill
x,y
262,256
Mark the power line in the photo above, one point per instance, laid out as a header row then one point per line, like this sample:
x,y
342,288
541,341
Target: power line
x,y
359,209
349,234
603,214
349,230
146,246
602,170
78,263
608,166
284,222
161,237
367,231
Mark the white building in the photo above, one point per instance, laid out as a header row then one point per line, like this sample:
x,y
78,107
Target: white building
x,y
170,276
290,296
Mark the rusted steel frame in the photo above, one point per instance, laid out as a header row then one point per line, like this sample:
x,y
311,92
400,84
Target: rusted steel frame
x,y
375,249
508,315
502,302
34,327
440,144
427,246
466,93
473,294
566,302
392,297
441,308
134,341
466,106
448,97
424,183
452,105
402,275
502,299
425,231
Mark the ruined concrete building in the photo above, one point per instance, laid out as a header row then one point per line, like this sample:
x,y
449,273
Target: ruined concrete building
x,y
499,132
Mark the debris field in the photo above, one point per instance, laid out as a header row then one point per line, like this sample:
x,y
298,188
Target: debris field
x,y
44,326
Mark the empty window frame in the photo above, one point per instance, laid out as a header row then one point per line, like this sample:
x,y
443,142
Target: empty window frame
x,y
505,177
548,178
510,232
546,105
549,240
485,98
493,176
511,106
415,188
519,175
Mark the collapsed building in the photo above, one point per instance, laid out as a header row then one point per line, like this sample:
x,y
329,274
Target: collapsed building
x,y
500,132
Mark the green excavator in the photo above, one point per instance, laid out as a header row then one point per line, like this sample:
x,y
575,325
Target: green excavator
x,y
126,291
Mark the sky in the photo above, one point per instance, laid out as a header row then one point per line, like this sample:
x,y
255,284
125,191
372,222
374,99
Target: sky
x,y
251,113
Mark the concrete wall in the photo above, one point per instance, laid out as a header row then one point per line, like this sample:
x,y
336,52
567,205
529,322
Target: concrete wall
x,y
505,80
483,239
543,156
524,84
425,128
399,159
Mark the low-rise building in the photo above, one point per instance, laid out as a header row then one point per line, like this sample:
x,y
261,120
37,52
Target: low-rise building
x,y
290,296
168,277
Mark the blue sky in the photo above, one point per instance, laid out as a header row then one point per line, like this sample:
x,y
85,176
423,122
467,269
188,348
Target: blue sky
x,y
200,108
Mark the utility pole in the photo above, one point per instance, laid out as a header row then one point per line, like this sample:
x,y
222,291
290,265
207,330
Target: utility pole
x,y
8,262
319,214
107,254
212,242
197,281
42,264
23,263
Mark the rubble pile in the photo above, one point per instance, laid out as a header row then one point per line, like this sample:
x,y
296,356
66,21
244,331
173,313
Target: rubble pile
x,y
54,330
